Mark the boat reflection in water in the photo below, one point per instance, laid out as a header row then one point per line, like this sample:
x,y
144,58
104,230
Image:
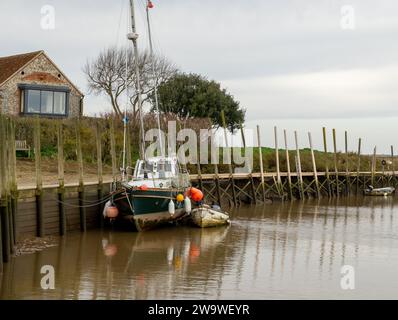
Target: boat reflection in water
x,y
117,265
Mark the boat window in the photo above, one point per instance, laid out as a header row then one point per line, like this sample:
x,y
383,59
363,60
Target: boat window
x,y
149,167
138,168
167,166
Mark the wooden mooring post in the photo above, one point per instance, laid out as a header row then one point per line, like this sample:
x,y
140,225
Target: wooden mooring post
x,y
336,170
289,177
217,182
325,149
278,173
113,149
215,156
12,170
260,155
61,178
298,164
203,142
347,173
228,149
39,182
100,187
250,169
392,166
372,179
358,164
82,209
314,166
4,195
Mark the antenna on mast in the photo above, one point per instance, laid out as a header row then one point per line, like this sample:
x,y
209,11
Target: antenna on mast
x,y
133,36
152,57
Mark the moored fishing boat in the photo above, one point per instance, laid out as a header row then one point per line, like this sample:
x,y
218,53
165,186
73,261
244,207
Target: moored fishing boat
x,y
155,195
157,192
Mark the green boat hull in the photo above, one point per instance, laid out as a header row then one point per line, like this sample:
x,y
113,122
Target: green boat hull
x,y
148,209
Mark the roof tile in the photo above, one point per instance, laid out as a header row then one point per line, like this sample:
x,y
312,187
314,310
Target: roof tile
x,y
10,65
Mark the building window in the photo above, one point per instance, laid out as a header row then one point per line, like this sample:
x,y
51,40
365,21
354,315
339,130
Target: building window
x,y
45,100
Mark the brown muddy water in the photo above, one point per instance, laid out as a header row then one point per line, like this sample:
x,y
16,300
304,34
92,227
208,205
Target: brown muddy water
x,y
279,251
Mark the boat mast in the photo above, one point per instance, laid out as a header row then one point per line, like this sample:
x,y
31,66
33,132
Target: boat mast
x,y
133,36
125,119
152,57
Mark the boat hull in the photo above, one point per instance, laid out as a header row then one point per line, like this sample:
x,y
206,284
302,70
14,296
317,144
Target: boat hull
x,y
379,192
204,217
148,209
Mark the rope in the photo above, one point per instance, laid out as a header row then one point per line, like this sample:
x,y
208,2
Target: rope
x,y
84,206
120,19
93,203
128,200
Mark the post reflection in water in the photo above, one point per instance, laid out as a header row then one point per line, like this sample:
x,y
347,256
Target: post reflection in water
x,y
282,250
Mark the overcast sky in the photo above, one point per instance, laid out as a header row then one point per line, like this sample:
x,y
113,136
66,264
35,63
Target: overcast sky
x,y
298,64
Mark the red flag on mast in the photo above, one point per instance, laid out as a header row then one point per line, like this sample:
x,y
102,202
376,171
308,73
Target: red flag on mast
x,y
150,4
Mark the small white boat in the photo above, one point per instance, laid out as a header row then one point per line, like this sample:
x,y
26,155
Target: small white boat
x,y
206,216
370,191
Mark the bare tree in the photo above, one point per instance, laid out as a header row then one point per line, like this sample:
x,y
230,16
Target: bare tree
x,y
107,74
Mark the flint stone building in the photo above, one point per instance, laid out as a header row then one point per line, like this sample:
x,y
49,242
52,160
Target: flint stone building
x,y
31,84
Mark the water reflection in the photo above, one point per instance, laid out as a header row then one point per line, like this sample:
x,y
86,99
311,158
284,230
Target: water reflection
x,y
283,250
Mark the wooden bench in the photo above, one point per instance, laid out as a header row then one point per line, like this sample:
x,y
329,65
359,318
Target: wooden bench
x,y
21,145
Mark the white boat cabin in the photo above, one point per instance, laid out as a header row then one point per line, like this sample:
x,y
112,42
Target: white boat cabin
x,y
156,172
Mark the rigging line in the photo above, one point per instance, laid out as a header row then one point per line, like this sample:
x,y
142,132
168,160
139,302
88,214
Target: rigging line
x,y
120,21
154,78
128,200
142,15
155,43
125,120
138,84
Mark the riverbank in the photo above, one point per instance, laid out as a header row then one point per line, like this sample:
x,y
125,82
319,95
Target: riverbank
x,y
26,172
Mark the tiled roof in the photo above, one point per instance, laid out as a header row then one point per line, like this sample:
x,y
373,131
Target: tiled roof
x,y
10,65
